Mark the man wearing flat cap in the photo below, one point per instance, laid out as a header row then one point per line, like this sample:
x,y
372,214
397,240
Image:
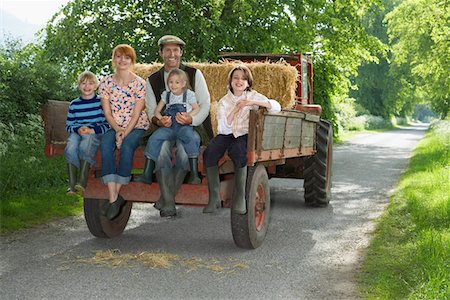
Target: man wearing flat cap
x,y
170,178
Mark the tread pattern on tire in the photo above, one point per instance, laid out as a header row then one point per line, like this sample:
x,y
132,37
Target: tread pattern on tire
x,y
316,185
242,226
102,227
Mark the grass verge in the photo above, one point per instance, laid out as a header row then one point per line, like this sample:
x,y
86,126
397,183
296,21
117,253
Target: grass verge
x,y
32,186
409,257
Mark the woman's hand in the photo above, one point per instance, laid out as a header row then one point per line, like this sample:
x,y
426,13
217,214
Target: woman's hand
x,y
120,135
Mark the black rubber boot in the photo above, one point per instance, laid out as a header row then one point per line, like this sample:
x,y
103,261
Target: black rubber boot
x,y
72,171
193,178
146,177
212,174
82,176
238,204
165,179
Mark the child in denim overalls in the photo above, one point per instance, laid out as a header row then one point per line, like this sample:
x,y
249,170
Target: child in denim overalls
x,y
178,99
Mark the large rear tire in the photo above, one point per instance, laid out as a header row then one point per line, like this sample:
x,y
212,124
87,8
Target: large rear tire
x,y
249,230
99,225
318,168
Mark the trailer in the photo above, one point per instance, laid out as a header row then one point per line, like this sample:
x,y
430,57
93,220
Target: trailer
x,y
295,143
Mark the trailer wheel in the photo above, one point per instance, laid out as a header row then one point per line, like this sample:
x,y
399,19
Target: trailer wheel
x,y
249,230
99,225
317,183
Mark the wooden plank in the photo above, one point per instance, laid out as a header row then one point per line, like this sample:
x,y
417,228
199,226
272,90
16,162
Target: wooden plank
x,y
308,134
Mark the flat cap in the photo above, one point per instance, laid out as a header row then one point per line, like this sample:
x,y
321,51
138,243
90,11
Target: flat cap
x,y
170,39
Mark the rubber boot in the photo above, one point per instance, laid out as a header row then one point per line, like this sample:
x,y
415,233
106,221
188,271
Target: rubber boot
x,y
82,176
238,203
193,178
146,177
165,178
72,171
212,174
179,176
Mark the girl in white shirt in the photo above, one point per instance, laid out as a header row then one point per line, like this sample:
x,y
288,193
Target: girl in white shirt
x,y
233,118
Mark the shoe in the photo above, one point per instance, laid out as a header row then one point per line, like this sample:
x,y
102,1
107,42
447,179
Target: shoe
x,y
115,207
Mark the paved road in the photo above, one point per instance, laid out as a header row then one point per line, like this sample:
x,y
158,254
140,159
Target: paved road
x,y
309,253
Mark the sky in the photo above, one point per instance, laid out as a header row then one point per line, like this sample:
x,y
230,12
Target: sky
x,y
36,12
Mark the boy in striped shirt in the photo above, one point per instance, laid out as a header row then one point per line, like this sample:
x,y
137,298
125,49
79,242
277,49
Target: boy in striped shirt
x,y
85,124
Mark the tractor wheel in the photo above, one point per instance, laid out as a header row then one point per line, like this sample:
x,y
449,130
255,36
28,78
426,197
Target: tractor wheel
x,y
317,173
99,225
249,230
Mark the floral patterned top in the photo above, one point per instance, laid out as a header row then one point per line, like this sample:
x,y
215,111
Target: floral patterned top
x,y
122,100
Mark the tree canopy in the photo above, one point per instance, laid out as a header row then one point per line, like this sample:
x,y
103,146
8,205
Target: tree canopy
x,y
419,31
83,33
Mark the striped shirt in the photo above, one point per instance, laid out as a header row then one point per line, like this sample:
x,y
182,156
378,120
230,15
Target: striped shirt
x,y
86,112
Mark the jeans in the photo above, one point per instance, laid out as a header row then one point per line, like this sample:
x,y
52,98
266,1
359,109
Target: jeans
x,y
108,147
184,135
82,147
236,147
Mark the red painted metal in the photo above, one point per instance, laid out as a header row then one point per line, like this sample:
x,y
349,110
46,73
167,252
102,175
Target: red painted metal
x,y
260,207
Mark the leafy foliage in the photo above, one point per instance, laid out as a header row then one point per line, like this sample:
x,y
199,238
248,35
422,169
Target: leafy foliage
x,y
27,80
419,31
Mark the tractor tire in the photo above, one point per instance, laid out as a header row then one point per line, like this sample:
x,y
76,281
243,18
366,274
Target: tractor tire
x,y
318,168
99,225
249,230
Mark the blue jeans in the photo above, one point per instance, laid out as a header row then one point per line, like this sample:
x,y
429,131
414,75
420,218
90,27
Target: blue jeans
x,y
82,147
183,134
108,148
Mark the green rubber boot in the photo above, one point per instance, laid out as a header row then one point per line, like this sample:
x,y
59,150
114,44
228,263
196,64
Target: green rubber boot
x,y
193,178
238,204
165,179
146,177
179,176
212,174
83,176
72,171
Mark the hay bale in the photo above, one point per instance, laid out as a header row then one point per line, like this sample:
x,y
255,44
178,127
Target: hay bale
x,y
274,80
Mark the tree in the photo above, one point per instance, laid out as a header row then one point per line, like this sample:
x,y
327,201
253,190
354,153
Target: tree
x,y
27,80
373,83
419,31
84,32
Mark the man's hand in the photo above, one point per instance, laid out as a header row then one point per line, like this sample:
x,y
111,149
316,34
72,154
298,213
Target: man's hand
x,y
166,121
183,118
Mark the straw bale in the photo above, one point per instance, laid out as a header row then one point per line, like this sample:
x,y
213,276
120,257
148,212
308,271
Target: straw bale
x,y
274,80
